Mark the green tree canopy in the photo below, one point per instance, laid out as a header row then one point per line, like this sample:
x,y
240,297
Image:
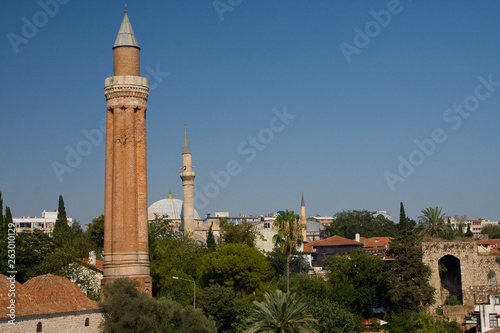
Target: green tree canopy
x,y
357,281
493,231
62,231
32,250
469,233
174,255
95,234
126,310
288,237
348,223
298,263
243,233
211,244
431,222
244,269
218,302
421,322
404,221
281,313
333,318
407,276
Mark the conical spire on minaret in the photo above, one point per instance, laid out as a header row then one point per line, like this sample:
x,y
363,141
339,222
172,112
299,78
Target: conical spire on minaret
x,y
302,201
185,144
126,35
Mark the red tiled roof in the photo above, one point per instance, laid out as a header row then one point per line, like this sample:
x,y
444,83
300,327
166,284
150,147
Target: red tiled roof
x,y
330,241
375,241
99,264
490,242
45,294
23,301
57,294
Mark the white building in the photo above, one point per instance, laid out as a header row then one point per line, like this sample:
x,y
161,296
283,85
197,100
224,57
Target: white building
x,y
487,310
45,223
383,214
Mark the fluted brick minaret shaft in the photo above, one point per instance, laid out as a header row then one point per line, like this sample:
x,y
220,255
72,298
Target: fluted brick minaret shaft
x,y
303,218
187,175
126,201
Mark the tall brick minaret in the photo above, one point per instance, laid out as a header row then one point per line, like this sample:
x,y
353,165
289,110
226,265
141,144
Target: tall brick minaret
x,y
187,175
303,218
125,197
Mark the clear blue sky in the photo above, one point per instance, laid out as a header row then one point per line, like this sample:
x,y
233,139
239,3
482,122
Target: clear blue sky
x,y
359,100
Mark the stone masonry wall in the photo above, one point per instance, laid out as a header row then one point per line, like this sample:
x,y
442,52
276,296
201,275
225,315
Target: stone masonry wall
x,y
56,323
474,268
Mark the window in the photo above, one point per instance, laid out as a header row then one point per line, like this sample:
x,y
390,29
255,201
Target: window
x,y
39,326
87,321
497,300
267,225
493,320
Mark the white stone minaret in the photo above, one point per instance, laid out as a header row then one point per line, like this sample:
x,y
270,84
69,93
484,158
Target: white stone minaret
x,y
303,218
125,194
187,175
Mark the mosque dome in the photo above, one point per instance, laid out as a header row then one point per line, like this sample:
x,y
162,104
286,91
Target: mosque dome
x,y
169,206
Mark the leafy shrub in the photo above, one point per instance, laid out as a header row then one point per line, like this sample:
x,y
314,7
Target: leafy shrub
x,y
452,300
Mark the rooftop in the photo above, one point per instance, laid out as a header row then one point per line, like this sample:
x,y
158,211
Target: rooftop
x,y
45,294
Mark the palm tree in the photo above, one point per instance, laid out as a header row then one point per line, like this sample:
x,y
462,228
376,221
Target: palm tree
x,y
288,238
432,221
281,313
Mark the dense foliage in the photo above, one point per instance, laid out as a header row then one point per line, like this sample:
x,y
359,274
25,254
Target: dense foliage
x,y
407,277
357,282
288,237
281,312
229,275
242,233
244,269
348,223
128,310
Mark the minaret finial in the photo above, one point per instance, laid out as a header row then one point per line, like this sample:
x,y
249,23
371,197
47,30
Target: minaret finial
x,y
302,202
185,145
126,35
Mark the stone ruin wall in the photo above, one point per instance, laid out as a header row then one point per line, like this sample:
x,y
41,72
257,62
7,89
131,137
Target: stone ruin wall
x,y
474,268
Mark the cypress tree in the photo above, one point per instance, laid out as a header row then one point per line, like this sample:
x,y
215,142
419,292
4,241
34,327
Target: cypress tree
x,y
62,230
211,245
8,216
402,214
469,233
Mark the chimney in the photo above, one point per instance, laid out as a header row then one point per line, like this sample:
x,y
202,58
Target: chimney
x,y
357,237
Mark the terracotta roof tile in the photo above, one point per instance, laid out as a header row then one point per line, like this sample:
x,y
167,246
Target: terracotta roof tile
x,y
23,300
330,241
54,294
99,264
491,242
375,241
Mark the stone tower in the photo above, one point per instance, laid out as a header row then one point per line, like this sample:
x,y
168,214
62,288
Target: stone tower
x,y
125,196
303,218
187,175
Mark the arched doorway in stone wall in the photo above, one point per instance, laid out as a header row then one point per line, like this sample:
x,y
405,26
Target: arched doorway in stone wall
x,y
450,276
